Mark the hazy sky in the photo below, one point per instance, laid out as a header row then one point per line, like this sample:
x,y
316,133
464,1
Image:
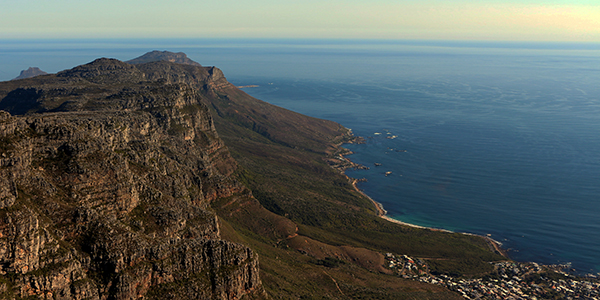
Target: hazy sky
x,y
524,20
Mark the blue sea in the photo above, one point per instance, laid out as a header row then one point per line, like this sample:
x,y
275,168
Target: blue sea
x,y
493,138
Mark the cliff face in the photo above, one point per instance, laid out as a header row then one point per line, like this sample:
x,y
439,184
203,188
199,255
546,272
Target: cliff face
x,y
107,172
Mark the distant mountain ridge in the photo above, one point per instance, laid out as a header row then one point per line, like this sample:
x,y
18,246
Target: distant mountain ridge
x,y
178,58
30,72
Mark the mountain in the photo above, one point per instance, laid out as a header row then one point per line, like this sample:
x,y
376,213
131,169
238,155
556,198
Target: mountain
x,y
178,58
161,180
107,180
30,72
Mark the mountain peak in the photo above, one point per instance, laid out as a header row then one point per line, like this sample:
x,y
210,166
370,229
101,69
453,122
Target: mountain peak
x,y
179,58
30,72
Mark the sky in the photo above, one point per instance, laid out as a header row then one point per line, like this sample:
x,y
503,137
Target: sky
x,y
509,20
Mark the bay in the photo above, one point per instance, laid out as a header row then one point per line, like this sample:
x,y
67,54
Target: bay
x,y
486,138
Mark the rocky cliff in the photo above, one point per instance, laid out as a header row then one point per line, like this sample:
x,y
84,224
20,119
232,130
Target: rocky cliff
x,y
107,173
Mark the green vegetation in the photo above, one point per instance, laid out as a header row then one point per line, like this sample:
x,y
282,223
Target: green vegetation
x,y
282,161
329,262
327,209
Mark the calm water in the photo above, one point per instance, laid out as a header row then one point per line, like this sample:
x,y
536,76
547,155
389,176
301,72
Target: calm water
x,y
488,138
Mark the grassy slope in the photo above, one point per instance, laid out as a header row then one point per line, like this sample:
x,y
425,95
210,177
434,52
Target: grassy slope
x,y
281,155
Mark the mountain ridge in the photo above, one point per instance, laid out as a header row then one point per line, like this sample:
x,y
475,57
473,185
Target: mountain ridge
x,y
153,56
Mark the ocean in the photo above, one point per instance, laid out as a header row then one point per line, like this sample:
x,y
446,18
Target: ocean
x,y
491,138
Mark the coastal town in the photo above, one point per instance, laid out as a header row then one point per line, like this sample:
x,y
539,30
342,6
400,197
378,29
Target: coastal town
x,y
509,280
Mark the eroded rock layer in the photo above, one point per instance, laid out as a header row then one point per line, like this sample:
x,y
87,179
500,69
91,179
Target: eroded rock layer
x,y
107,172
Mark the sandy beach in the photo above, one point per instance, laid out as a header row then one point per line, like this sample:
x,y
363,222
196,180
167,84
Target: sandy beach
x,y
382,213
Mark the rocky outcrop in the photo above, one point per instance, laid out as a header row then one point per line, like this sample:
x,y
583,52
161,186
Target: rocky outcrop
x,y
107,173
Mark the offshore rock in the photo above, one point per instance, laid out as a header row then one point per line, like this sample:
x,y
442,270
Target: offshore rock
x,y
107,173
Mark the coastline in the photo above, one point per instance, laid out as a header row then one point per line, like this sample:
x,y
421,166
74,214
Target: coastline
x,y
340,162
495,246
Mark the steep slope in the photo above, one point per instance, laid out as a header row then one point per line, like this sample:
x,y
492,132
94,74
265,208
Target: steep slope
x,y
105,191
